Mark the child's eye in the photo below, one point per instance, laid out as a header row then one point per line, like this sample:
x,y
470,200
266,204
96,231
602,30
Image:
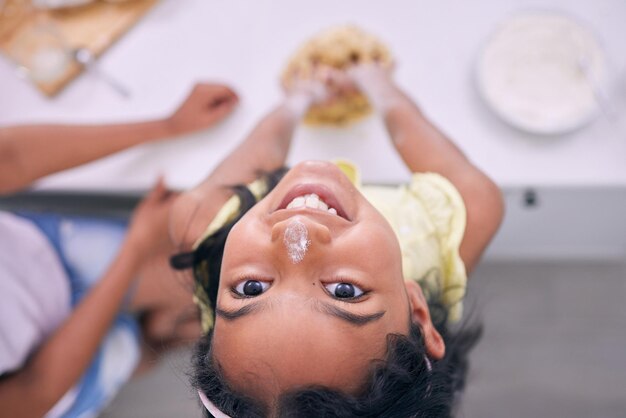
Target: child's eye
x,y
344,290
251,288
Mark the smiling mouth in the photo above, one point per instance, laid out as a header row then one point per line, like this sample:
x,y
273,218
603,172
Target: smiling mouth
x,y
314,197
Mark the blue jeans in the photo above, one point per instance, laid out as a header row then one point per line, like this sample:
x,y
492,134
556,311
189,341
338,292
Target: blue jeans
x,y
86,247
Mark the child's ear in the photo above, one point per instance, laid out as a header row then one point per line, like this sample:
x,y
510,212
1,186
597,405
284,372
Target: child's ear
x,y
420,314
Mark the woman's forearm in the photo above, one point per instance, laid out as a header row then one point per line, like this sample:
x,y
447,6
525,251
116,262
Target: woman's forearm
x,y
28,153
64,357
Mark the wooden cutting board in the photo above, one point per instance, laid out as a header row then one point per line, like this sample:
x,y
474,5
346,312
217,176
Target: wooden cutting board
x,y
94,26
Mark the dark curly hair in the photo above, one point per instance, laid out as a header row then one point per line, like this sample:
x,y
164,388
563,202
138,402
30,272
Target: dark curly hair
x,y
405,384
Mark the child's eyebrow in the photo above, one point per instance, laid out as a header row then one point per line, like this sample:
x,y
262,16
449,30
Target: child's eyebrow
x,y
325,307
243,311
351,317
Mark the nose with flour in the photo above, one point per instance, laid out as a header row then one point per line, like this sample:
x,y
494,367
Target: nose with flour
x,y
297,234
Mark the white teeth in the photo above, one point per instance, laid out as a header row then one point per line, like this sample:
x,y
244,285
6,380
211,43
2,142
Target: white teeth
x,y
298,202
312,201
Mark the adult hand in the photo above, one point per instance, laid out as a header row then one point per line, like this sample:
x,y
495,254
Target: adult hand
x,y
206,105
149,226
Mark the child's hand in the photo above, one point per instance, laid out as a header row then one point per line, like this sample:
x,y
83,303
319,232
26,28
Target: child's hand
x,y
374,80
313,89
206,105
148,229
302,92
368,73
323,86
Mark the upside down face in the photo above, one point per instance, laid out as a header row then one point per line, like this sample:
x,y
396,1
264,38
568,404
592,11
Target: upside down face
x,y
311,285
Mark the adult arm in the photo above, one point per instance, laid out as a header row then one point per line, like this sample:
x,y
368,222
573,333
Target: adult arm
x,y
30,152
61,360
424,148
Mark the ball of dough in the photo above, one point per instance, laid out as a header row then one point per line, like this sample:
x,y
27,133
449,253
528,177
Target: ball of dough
x,y
339,48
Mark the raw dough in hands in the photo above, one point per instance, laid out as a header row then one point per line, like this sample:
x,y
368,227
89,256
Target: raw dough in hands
x,y
337,48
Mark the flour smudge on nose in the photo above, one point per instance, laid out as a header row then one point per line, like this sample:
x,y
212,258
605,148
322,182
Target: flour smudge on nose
x,y
296,240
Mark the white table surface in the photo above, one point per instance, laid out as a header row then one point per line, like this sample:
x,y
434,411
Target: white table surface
x,y
246,43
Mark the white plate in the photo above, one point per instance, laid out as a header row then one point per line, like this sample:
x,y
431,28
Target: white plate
x,y
539,72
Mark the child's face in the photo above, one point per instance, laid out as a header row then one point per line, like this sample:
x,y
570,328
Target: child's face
x,y
297,326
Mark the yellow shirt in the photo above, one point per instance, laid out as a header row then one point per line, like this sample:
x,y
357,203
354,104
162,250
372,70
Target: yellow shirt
x,y
428,217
